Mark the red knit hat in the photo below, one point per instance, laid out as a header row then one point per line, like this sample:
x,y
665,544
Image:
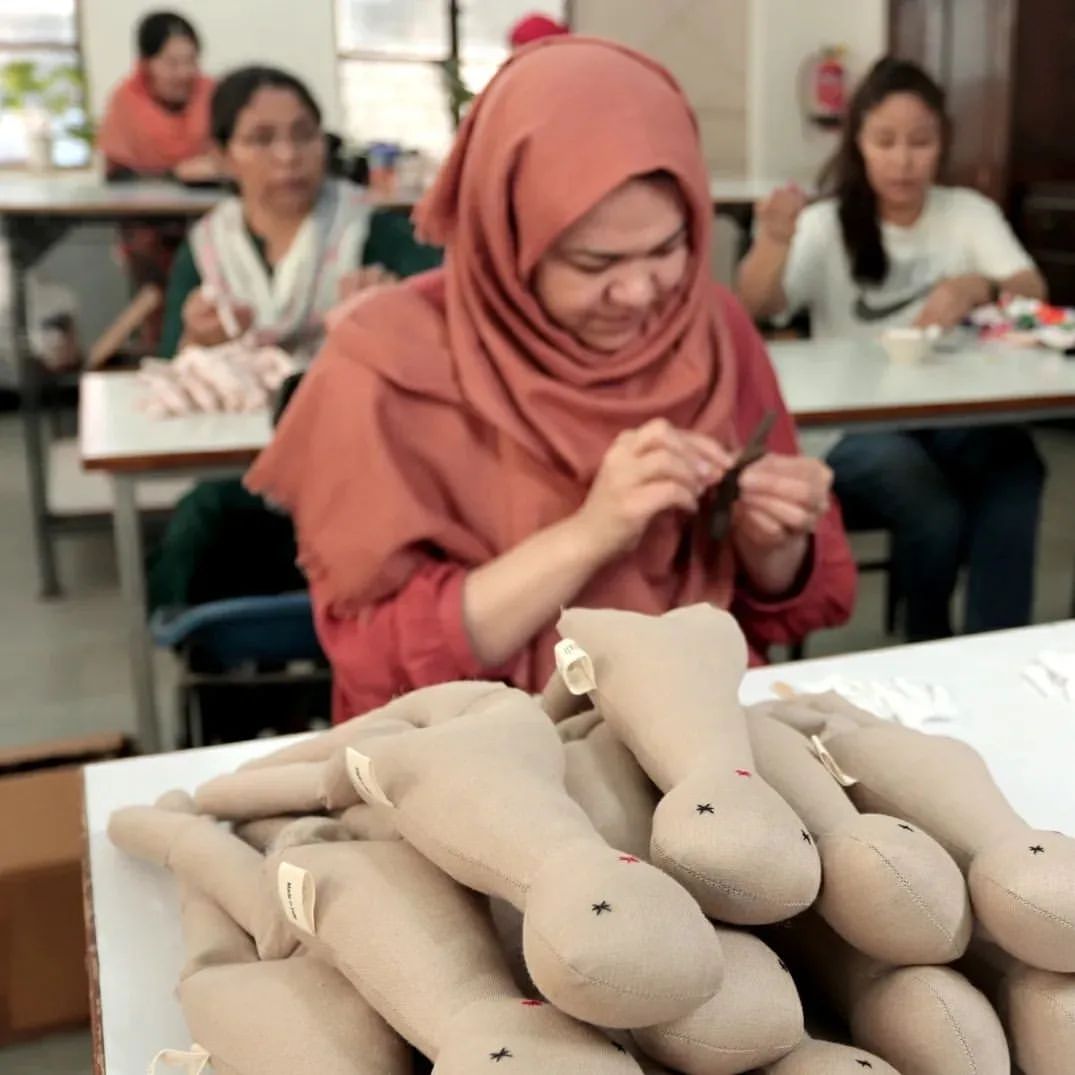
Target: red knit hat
x,y
534,27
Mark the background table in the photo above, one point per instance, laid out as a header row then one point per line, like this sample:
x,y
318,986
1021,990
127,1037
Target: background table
x,y
854,385
131,447
133,917
833,384
36,213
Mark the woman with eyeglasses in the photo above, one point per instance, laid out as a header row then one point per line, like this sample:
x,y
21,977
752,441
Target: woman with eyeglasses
x,y
293,241
279,255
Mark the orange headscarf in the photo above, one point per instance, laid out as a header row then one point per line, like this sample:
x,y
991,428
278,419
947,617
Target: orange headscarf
x,y
139,133
449,416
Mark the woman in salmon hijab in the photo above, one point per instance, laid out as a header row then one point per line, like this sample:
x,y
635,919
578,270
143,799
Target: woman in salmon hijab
x,y
544,421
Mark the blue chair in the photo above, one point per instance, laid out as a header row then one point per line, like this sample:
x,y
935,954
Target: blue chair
x,y
245,642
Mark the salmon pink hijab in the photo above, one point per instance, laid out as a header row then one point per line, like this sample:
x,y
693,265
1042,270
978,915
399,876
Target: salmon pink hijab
x,y
450,417
139,133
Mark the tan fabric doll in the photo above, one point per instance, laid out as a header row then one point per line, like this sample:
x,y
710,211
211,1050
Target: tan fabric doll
x,y
1022,880
887,887
607,938
421,949
668,687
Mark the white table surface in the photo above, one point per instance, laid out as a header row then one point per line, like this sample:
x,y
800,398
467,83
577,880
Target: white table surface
x,y
60,194
1029,743
833,382
114,434
748,190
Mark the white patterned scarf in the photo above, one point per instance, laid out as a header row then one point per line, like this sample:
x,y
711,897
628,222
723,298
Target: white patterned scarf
x,y
291,302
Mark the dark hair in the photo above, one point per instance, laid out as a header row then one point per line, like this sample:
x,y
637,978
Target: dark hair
x,y
158,28
235,90
845,177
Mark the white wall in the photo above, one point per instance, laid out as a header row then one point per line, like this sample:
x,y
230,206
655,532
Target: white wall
x,y
296,34
784,34
704,44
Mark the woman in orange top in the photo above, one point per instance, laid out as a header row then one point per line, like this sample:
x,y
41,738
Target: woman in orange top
x,y
157,125
544,421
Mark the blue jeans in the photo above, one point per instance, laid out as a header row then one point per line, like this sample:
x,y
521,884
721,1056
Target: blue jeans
x,y
949,497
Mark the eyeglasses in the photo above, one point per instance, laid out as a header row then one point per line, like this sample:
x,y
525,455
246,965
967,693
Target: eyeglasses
x,y
265,139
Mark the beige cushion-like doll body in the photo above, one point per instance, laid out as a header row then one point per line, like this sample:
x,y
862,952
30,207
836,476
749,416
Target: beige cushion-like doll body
x,y
1022,880
668,688
1036,1006
607,937
421,949
203,855
276,1017
887,887
813,1057
921,1020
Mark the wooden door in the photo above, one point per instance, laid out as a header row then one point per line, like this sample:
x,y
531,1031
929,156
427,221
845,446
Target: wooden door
x,y
967,45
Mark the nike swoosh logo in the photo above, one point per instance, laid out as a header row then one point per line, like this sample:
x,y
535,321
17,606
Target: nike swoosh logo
x,y
865,312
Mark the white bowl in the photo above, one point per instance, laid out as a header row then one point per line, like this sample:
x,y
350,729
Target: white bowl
x,y
908,345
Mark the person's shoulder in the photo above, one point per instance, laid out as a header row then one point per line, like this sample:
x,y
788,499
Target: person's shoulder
x,y
399,333
963,201
821,214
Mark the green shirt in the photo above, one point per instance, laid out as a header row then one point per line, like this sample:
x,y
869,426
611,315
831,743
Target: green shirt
x,y
390,243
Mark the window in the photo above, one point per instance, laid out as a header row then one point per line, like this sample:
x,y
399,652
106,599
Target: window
x,y
40,73
392,55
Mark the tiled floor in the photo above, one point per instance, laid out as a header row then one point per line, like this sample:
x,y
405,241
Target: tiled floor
x,y
63,664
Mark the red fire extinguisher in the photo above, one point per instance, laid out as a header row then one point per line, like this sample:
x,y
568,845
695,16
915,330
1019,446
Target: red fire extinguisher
x,y
827,88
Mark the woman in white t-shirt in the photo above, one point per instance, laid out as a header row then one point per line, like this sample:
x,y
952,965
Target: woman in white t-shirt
x,y
890,247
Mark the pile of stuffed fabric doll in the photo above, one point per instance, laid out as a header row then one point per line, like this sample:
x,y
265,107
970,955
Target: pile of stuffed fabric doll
x,y
632,874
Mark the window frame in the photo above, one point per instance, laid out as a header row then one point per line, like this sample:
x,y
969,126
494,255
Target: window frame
x,y
453,14
74,51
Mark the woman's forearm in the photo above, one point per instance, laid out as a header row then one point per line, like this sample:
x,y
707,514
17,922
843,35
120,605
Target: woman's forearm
x,y
760,281
1029,283
508,600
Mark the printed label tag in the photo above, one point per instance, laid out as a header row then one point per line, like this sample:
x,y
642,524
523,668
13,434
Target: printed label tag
x,y
297,896
830,764
575,667
360,770
193,1060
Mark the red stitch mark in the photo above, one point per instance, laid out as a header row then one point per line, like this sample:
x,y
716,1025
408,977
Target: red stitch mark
x,y
742,772
533,1004
628,858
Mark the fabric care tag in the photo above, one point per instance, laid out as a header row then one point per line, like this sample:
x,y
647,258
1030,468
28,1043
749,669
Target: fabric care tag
x,y
192,1061
575,667
295,888
830,764
360,770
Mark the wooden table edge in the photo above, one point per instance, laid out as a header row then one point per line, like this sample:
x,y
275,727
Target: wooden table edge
x,y
93,964
1008,406
171,461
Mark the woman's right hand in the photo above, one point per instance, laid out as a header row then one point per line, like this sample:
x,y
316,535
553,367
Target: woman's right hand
x,y
778,213
646,471
201,320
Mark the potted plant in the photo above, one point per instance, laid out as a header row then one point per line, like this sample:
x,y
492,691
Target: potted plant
x,y
51,102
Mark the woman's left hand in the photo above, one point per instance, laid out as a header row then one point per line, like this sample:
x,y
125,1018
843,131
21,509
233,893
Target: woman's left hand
x,y
781,500
951,300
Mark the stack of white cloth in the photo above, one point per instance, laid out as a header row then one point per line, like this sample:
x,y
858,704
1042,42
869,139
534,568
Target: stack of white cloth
x,y
236,377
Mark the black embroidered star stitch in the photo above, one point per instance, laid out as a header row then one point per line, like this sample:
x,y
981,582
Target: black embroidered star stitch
x,y
906,828
600,908
1037,849
704,808
618,1047
806,836
503,1054
864,1063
